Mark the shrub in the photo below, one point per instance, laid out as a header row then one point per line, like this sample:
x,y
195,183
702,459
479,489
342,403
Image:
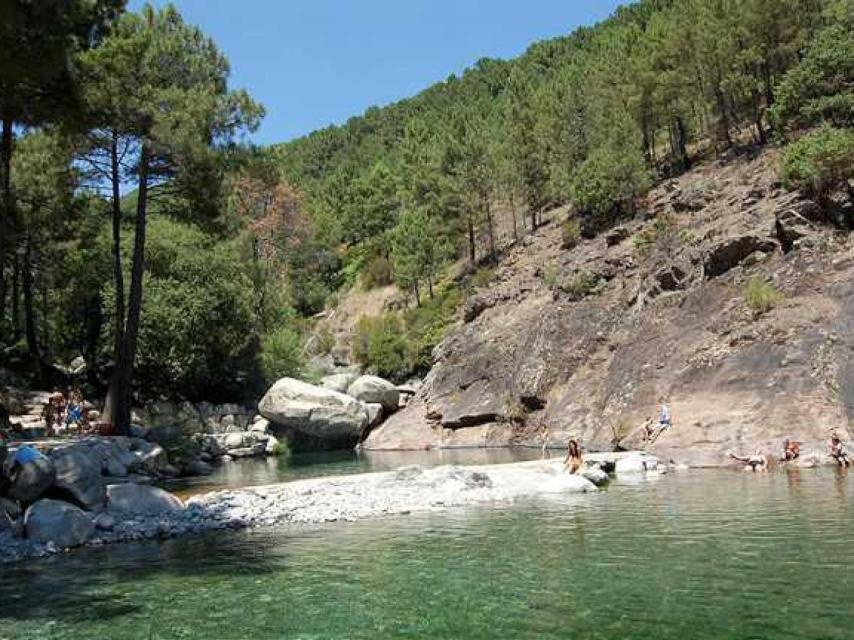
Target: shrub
x,y
570,233
396,345
380,344
377,273
281,449
281,354
426,326
549,275
820,163
581,285
662,236
761,296
607,184
482,277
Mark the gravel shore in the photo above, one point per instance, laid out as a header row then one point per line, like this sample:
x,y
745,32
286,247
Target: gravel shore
x,y
344,498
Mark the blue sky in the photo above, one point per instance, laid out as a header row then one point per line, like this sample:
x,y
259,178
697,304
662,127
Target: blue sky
x,y
317,62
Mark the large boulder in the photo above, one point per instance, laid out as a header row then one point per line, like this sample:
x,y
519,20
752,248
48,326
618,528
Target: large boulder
x,y
373,389
58,522
29,480
148,456
116,458
78,472
339,382
140,499
313,410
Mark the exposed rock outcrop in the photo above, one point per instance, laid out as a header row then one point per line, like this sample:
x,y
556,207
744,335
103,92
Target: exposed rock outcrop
x,y
669,322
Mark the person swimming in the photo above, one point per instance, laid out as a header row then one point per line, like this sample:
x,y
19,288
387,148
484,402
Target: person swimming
x,y
756,462
791,450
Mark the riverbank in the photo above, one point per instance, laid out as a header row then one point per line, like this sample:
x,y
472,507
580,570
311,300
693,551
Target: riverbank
x,y
338,498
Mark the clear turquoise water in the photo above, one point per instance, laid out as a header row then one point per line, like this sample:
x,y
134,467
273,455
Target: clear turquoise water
x,y
711,554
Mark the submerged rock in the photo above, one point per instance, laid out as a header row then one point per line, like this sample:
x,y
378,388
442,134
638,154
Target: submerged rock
x,y
636,464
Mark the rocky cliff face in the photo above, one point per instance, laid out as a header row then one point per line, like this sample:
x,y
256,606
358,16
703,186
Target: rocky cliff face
x,y
585,340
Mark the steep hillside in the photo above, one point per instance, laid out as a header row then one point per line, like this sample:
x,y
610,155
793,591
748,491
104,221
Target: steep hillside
x,y
585,340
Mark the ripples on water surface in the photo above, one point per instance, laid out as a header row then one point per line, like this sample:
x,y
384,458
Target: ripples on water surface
x,y
711,554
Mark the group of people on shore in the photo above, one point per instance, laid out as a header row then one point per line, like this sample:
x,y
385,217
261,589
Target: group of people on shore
x,y
65,415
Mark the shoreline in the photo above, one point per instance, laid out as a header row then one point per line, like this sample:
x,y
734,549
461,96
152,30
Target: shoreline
x,y
326,499
359,496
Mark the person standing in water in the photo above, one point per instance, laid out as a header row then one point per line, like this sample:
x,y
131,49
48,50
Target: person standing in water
x,y
573,461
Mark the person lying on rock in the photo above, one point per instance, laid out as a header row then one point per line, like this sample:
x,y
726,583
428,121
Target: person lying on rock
x,y
573,461
838,451
791,450
757,462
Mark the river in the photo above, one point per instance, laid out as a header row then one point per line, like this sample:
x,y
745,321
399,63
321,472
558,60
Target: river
x,y
712,554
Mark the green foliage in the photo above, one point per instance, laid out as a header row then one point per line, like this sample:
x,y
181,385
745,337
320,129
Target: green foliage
x,y
396,345
761,296
377,273
281,354
379,344
607,184
197,307
580,285
820,88
281,449
482,277
570,233
550,274
820,162
663,237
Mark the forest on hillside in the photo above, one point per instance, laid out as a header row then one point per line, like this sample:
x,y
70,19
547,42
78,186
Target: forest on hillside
x,y
141,230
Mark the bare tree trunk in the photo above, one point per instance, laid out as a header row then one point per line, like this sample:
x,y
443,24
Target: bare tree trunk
x,y
472,248
16,296
7,222
123,373
490,228
681,142
513,216
108,414
29,307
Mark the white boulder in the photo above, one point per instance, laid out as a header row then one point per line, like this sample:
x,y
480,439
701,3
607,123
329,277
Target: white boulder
x,y
313,410
373,389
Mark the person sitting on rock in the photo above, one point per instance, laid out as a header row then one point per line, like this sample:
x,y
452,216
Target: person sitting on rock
x,y
757,462
573,461
791,450
838,451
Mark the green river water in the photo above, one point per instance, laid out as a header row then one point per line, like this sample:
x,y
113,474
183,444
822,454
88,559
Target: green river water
x,y
696,554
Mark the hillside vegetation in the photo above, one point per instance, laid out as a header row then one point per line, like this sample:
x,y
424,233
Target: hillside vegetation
x,y
207,279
